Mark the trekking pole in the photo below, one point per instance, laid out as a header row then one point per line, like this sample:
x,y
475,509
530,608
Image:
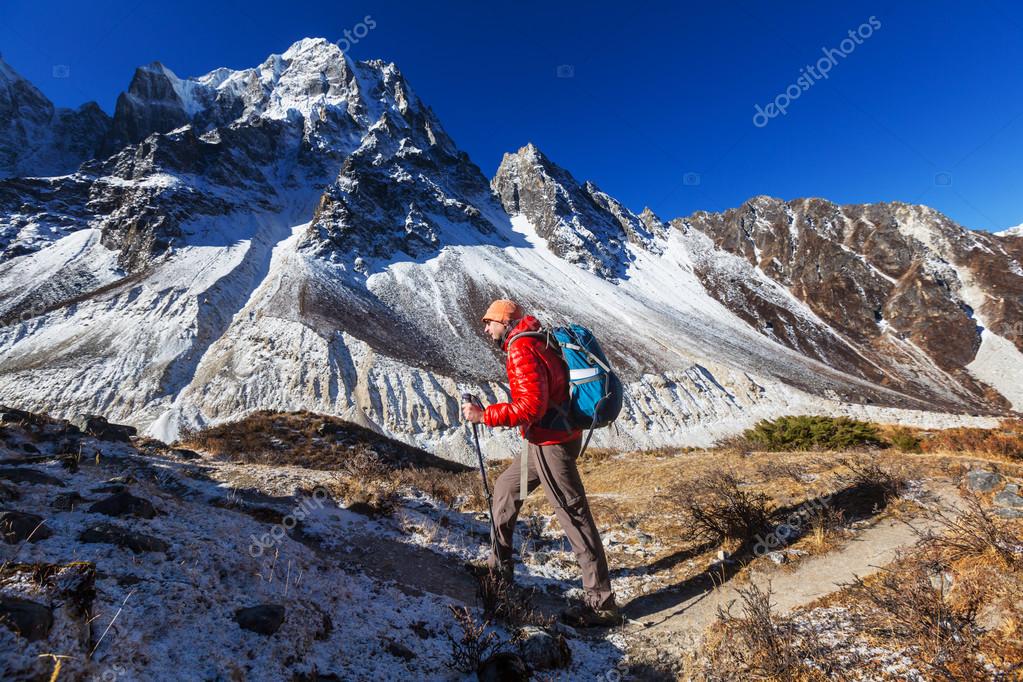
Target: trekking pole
x,y
470,398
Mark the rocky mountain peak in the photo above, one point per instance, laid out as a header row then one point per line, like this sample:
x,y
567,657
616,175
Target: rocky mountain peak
x,y
7,72
38,139
578,221
305,233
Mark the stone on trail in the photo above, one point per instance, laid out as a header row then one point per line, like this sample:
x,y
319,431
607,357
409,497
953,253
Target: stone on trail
x,y
503,667
66,502
266,619
982,481
25,617
24,475
110,534
16,526
543,650
124,504
98,427
1009,497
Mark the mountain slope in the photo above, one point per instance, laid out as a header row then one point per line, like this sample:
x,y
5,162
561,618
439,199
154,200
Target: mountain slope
x,y
909,290
37,138
305,235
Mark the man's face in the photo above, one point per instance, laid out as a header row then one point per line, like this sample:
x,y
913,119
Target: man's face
x,y
494,329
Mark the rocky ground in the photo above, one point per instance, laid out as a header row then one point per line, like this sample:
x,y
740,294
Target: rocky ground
x,y
290,549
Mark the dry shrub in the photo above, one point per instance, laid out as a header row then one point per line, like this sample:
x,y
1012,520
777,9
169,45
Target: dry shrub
x,y
597,455
364,464
717,508
306,439
974,533
372,497
876,482
440,485
738,443
1005,441
758,645
912,605
475,643
500,599
773,470
825,524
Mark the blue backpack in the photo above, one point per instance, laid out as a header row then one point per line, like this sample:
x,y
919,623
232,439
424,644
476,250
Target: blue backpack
x,y
595,392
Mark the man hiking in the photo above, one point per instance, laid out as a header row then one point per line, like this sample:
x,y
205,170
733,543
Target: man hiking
x,y
538,379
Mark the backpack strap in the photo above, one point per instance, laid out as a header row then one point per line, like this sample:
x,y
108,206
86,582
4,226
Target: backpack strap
x,y
554,412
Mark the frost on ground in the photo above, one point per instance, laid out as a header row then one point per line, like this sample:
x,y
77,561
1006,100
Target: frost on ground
x,y
275,555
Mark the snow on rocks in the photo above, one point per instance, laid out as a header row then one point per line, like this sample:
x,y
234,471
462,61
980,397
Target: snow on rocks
x,y
180,594
337,247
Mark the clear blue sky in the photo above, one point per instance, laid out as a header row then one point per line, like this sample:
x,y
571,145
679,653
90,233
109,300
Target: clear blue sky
x,y
928,109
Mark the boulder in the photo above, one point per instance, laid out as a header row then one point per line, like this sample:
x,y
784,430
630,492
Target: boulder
x,y
98,427
25,617
982,481
109,489
266,619
503,667
185,453
8,493
16,526
23,475
399,650
111,534
543,650
66,502
124,504
1009,497
11,415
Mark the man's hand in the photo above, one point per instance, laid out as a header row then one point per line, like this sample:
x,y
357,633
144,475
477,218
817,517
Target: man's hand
x,y
472,413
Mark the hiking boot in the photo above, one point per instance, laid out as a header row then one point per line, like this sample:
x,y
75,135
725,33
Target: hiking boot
x,y
585,616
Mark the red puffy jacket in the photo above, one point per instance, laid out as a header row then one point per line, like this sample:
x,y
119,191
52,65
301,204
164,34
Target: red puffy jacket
x,y
539,380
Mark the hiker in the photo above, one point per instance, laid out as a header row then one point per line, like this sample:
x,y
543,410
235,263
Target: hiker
x,y
538,379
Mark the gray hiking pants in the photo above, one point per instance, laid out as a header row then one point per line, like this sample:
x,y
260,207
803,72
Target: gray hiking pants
x,y
554,466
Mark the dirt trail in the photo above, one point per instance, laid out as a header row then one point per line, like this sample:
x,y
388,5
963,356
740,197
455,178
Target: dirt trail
x,y
687,613
674,618
678,618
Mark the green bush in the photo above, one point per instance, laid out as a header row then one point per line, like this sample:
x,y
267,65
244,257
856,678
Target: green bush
x,y
904,440
809,432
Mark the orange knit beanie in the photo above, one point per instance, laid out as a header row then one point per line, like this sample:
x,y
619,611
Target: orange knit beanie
x,y
504,311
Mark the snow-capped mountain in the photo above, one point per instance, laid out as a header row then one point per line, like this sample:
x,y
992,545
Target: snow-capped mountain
x,y
916,302
1011,232
37,138
305,235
